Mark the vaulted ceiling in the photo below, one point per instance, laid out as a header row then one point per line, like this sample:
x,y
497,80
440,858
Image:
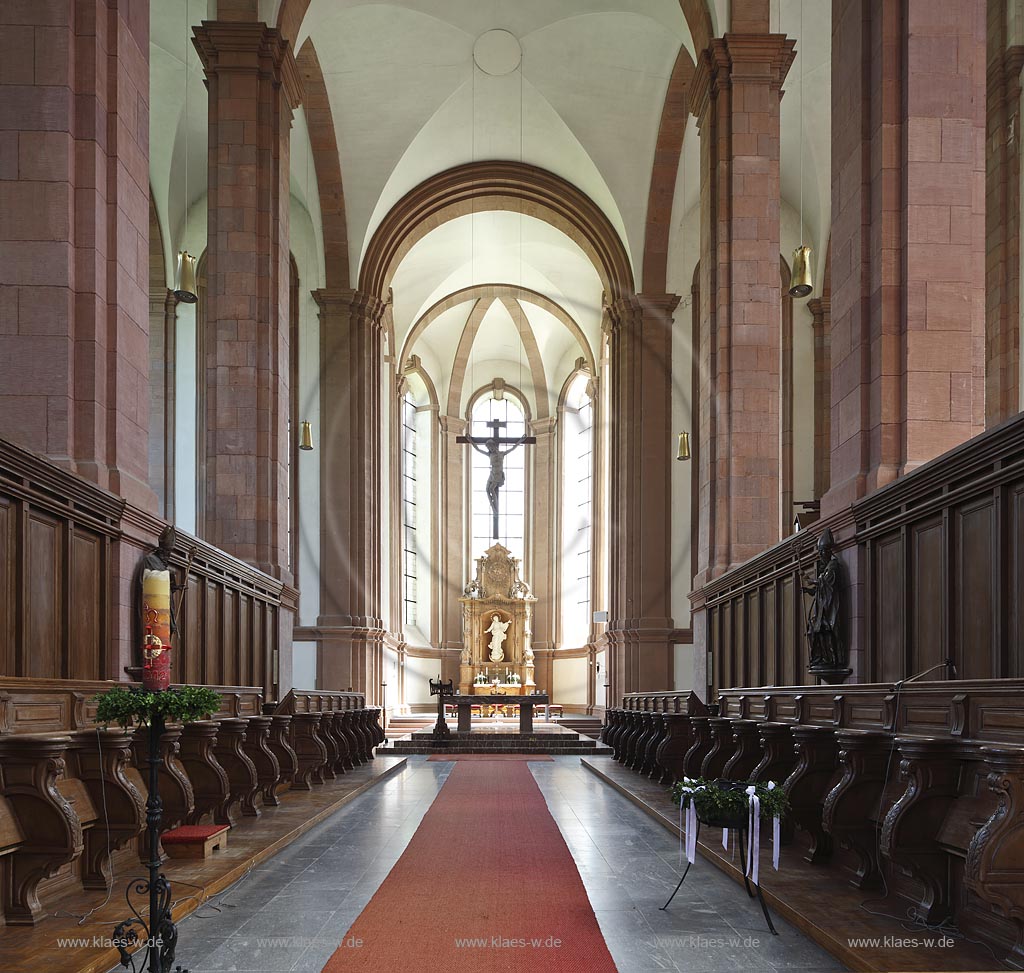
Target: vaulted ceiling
x,y
414,87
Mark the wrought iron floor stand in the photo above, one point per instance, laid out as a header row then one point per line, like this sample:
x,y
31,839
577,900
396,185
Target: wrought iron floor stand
x,y
746,882
161,932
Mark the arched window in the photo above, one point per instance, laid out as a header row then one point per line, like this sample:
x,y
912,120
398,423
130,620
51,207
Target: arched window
x,y
577,510
410,556
512,493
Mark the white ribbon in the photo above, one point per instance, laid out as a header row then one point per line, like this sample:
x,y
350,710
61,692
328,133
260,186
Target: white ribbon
x,y
691,833
725,838
687,823
753,834
775,833
682,824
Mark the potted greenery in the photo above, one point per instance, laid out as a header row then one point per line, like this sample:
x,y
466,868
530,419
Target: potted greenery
x,y
139,706
128,705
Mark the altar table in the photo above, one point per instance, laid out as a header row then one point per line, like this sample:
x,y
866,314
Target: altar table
x,y
525,704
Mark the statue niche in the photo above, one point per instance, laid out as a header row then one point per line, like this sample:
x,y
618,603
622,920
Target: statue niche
x,y
497,616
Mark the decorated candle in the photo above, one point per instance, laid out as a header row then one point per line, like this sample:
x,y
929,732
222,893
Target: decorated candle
x,y
156,629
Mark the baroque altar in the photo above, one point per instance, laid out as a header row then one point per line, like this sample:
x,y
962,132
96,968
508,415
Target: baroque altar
x,y
497,618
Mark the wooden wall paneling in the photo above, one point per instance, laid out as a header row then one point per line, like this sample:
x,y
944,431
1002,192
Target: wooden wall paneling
x,y
771,635
887,597
790,634
258,645
211,634
716,652
925,586
728,667
8,573
191,654
755,631
42,603
268,664
1014,601
245,640
740,630
975,577
86,656
229,637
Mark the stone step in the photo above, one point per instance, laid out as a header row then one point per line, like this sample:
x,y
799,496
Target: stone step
x,y
566,751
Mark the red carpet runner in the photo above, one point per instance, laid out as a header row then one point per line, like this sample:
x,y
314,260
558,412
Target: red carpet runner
x,y
487,883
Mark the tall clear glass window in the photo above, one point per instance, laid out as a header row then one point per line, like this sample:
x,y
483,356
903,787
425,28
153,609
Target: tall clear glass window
x,y
577,512
512,493
410,556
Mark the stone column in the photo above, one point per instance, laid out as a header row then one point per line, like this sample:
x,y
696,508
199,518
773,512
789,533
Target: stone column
x,y
454,571
735,96
908,238
253,88
642,444
74,237
350,490
821,323
163,315
1002,221
544,520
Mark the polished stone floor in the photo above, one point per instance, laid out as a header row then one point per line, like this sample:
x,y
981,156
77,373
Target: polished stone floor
x,y
291,913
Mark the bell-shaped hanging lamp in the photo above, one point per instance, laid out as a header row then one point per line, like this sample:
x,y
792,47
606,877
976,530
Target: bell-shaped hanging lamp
x,y
185,279
683,451
800,282
306,435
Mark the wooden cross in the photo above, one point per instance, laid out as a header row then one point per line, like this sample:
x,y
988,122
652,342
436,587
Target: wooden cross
x,y
490,446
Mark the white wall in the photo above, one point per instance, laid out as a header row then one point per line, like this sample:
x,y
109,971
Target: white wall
x,y
418,673
683,672
569,681
303,666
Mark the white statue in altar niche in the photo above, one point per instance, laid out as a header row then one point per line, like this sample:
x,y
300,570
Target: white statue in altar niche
x,y
498,630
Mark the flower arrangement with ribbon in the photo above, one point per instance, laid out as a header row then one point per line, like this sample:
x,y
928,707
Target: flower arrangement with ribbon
x,y
729,804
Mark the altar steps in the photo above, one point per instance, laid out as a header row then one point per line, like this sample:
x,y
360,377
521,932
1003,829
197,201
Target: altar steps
x,y
554,740
400,726
589,726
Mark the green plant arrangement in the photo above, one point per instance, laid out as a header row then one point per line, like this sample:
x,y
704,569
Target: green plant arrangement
x,y
728,801
125,705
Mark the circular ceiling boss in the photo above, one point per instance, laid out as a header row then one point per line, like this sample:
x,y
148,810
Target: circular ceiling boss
x,y
497,52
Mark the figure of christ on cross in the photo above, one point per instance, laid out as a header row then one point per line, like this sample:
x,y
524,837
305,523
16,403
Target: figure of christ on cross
x,y
490,446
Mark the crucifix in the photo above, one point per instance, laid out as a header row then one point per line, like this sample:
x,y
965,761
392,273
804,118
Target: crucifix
x,y
490,446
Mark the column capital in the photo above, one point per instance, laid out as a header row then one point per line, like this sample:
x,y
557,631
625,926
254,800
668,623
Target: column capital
x,y
630,310
228,47
452,425
750,58
346,300
820,308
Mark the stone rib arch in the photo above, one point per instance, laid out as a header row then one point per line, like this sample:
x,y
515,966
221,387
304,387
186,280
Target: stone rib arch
x,y
480,187
492,291
675,113
327,166
529,340
469,330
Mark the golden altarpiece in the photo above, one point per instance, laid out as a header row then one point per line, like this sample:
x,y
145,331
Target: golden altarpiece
x,y
497,619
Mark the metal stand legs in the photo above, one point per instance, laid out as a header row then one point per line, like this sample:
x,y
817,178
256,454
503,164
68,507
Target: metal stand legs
x,y
746,884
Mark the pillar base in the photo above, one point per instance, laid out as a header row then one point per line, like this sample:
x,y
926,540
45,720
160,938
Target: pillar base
x,y
346,655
